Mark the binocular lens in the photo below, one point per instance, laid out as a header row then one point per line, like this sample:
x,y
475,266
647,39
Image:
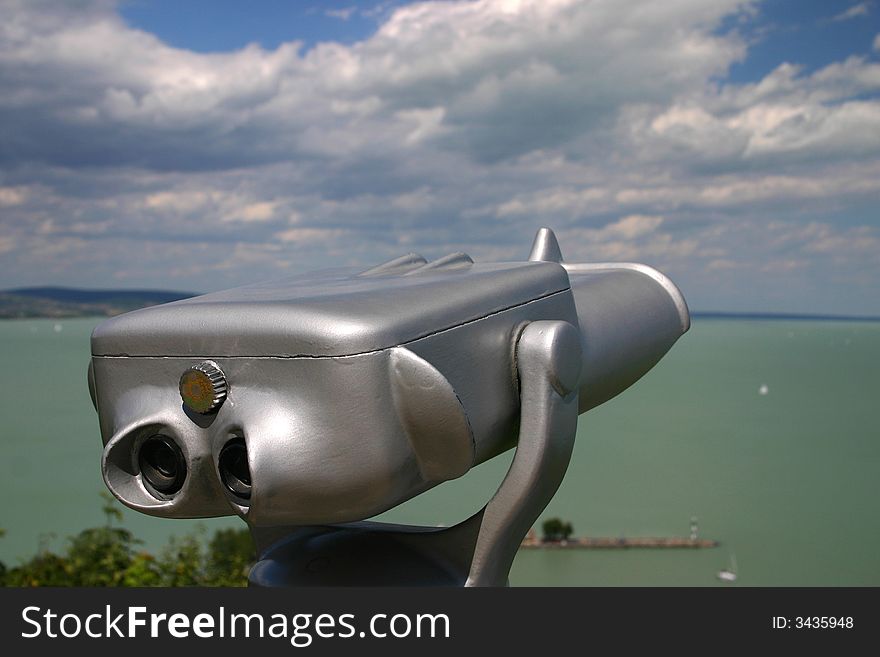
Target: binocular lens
x,y
233,466
162,464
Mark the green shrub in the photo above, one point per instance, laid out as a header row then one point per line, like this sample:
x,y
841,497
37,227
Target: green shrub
x,y
111,556
555,529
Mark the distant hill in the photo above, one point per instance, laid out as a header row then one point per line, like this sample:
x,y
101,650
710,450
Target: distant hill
x,y
73,302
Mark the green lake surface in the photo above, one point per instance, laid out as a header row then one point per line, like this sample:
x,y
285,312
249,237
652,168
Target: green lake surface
x,y
788,481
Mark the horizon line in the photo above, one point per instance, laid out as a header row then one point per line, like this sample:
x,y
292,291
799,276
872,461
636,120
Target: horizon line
x,y
695,314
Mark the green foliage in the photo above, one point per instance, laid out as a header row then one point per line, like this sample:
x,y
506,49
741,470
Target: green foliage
x,y
555,529
110,508
230,557
111,556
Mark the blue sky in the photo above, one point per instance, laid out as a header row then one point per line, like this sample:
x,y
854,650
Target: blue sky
x,y
201,145
224,25
812,33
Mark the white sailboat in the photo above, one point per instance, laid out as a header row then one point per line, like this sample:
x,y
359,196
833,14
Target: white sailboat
x,y
729,575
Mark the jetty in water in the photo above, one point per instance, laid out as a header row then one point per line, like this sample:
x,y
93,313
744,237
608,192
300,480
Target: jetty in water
x,y
602,543
557,536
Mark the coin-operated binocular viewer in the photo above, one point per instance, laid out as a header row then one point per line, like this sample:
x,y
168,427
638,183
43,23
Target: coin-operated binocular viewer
x,y
310,404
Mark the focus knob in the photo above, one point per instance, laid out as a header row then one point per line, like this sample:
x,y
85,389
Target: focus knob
x,y
203,387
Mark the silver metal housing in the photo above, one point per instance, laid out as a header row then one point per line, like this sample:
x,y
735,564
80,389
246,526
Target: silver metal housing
x,y
355,391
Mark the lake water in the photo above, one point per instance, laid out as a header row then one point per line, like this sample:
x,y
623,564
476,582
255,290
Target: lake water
x,y
766,431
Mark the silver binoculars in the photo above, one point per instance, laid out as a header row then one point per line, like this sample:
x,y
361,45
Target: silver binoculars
x,y
323,400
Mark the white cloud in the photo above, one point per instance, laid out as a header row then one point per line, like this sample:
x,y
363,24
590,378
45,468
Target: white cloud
x,y
823,238
261,211
860,9
12,196
342,14
634,225
457,125
181,201
543,71
307,235
833,112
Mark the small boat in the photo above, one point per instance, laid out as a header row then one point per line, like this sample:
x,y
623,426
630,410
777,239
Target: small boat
x,y
729,575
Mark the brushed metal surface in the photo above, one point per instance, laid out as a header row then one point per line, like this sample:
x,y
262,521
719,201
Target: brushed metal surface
x,y
328,313
354,391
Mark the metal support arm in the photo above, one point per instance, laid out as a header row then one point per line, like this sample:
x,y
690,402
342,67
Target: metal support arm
x,y
549,364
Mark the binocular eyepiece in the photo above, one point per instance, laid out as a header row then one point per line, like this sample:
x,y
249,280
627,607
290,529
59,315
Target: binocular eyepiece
x,y
162,464
233,468
163,468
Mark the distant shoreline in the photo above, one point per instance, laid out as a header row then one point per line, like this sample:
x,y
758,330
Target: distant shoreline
x,y
69,303
785,316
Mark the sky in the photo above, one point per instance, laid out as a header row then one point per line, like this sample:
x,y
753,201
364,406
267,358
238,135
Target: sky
x,y
734,145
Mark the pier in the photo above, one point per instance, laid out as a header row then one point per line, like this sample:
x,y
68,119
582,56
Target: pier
x,y
557,536
606,543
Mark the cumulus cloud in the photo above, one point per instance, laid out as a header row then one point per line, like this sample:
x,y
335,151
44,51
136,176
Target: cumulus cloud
x,y
859,9
456,125
342,14
785,116
10,196
492,79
